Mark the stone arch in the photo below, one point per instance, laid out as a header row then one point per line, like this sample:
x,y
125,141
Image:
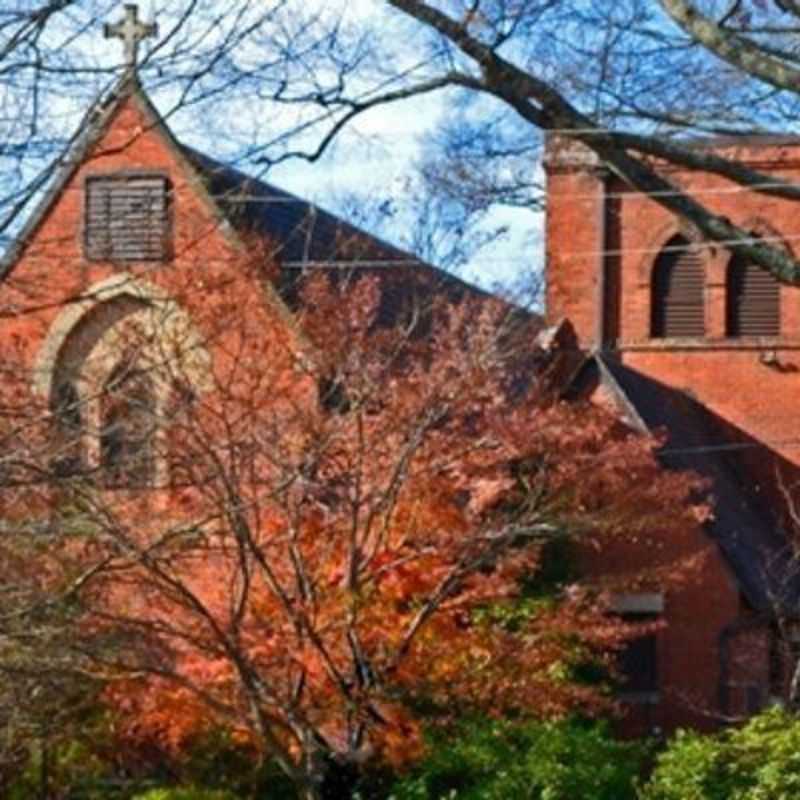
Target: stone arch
x,y
81,326
107,368
660,237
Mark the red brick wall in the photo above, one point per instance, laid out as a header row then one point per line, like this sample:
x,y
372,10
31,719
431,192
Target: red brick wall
x,y
756,403
573,247
700,599
221,283
212,277
728,375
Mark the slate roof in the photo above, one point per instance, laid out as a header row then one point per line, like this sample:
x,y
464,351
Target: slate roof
x,y
755,549
308,238
306,234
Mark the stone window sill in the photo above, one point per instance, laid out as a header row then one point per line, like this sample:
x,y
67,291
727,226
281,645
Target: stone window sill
x,y
640,698
699,343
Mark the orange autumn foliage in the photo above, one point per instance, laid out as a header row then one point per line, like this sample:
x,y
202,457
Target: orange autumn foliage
x,y
337,523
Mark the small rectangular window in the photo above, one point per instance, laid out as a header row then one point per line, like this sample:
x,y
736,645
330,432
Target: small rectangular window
x,y
127,218
638,665
638,660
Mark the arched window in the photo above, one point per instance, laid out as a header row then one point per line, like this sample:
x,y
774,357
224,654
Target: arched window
x,y
677,306
753,305
109,387
128,426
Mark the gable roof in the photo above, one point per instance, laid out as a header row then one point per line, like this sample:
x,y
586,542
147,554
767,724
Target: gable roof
x,y
308,238
751,543
305,236
92,127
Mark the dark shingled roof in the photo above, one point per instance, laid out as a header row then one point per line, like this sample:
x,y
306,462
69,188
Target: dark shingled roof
x,y
305,233
753,546
310,239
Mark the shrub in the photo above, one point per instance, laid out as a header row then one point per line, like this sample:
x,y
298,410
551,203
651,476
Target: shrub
x,y
70,768
493,760
186,793
758,761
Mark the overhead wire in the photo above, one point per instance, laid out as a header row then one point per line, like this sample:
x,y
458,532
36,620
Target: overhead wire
x,y
629,193
778,238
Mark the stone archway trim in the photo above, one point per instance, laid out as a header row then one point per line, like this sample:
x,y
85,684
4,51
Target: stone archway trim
x,y
657,241
102,292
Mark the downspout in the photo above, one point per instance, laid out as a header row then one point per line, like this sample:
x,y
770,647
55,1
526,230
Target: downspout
x,y
602,266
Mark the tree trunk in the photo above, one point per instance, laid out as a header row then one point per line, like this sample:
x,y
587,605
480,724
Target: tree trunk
x,y
315,767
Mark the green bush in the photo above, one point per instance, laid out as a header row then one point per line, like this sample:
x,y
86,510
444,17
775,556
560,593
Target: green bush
x,y
758,761
93,769
186,793
70,768
489,760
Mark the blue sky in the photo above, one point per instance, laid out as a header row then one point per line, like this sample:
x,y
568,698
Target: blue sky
x,y
372,159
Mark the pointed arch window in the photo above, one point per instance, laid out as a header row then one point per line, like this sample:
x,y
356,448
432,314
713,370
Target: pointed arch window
x,y
677,291
753,300
128,427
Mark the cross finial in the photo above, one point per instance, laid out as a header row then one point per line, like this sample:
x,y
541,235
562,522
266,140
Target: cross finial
x,y
132,31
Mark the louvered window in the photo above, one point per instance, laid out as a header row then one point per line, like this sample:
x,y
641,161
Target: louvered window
x,y
127,218
678,282
753,300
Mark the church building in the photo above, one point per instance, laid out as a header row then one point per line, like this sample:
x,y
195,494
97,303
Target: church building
x,y
667,331
139,234
685,341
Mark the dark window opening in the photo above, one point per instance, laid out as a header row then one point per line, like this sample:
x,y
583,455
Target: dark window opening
x,y
637,661
333,395
677,291
638,665
127,218
69,424
754,699
784,658
128,429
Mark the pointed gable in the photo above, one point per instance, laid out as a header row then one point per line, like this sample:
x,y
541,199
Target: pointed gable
x,y
129,192
125,138
134,210
756,551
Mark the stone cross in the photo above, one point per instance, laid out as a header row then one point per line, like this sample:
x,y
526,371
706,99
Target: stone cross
x,y
132,31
